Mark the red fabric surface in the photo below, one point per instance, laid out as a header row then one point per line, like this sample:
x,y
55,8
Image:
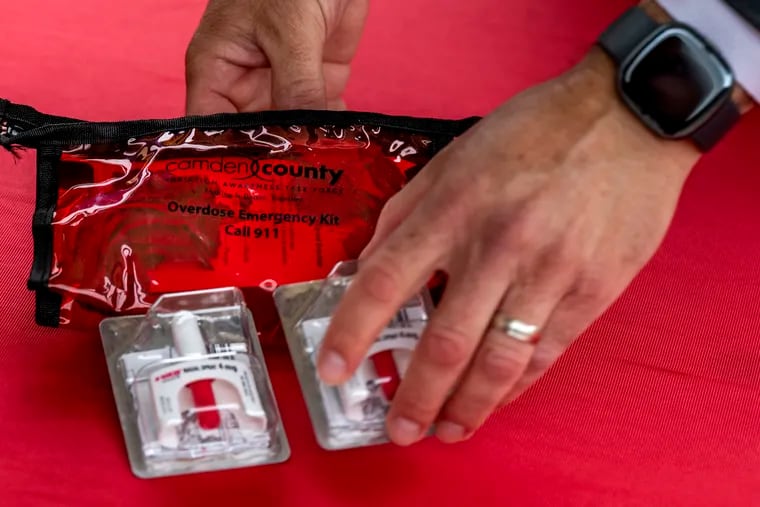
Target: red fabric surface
x,y
657,404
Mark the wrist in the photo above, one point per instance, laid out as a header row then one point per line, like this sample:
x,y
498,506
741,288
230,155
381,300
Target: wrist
x,y
592,82
637,71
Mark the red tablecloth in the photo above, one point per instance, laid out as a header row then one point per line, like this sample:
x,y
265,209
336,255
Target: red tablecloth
x,y
658,403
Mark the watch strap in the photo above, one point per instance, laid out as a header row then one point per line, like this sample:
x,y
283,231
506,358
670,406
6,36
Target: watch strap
x,y
626,33
714,128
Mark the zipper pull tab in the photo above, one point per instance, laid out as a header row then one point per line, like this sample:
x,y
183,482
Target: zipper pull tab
x,y
6,130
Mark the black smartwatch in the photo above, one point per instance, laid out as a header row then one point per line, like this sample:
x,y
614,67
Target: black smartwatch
x,y
672,78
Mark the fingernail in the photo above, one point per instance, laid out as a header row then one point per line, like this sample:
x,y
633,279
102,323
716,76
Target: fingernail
x,y
404,431
450,432
332,367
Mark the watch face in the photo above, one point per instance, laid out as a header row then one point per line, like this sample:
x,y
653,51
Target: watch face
x,y
674,81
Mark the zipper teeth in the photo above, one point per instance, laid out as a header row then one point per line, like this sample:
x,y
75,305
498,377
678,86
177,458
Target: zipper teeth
x,y
62,134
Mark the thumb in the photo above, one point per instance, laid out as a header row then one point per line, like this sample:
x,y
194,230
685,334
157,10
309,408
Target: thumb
x,y
295,56
200,96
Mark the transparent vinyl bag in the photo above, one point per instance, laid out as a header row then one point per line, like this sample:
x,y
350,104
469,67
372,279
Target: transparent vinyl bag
x,y
128,211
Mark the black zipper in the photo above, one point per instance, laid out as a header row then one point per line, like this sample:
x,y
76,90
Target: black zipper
x,y
18,118
27,127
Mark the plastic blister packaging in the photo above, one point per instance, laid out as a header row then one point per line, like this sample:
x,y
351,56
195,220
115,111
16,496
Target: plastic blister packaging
x,y
191,386
353,414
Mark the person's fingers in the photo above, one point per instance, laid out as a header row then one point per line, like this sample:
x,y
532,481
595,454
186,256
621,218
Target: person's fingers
x,y
205,102
547,352
202,70
298,81
395,210
501,359
344,39
401,205
252,91
384,282
219,53
336,104
295,50
252,57
445,349
579,307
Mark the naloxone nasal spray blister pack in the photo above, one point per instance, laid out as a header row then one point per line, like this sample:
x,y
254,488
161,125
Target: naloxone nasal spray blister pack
x,y
352,414
191,386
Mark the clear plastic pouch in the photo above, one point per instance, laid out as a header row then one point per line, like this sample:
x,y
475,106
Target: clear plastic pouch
x,y
128,211
191,386
353,414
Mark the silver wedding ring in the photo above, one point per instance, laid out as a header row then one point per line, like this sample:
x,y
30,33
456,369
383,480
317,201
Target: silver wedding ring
x,y
515,329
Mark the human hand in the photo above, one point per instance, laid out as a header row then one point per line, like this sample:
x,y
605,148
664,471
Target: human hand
x,y
251,55
544,211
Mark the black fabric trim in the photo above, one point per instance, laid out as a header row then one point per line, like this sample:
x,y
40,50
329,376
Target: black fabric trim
x,y
748,9
47,308
48,304
39,129
22,118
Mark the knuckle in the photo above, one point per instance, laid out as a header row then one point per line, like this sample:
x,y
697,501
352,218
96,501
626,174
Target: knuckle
x,y
638,251
501,363
452,214
379,283
445,346
190,54
566,256
415,406
519,233
345,344
544,358
469,409
391,205
514,235
590,289
304,91
286,25
389,210
195,51
274,26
